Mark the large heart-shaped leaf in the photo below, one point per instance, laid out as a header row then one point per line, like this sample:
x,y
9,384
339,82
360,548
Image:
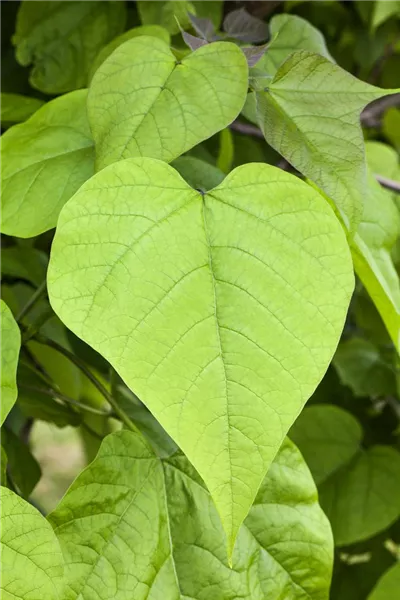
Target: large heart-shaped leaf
x,y
62,38
310,114
134,526
45,160
144,102
10,346
31,559
194,300
388,586
359,489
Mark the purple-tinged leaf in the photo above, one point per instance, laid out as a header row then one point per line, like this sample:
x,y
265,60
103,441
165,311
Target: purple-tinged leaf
x,y
254,53
203,26
242,26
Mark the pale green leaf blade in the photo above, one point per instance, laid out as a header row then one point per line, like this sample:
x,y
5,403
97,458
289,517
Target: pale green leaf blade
x,y
16,108
62,39
45,160
10,347
135,526
32,563
207,274
388,585
359,490
310,114
163,106
288,34
166,13
149,30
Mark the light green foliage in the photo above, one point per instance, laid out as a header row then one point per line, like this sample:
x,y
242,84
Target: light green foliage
x,y
383,10
212,9
371,250
359,490
172,285
135,526
226,151
388,586
149,30
62,38
10,346
166,13
391,126
382,159
288,34
23,469
45,160
310,114
363,368
198,173
16,108
32,564
143,102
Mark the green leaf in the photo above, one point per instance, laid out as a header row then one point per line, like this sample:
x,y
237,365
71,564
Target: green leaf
x,y
45,160
371,250
135,526
391,126
288,34
149,30
3,467
166,13
359,490
310,114
363,368
20,262
171,285
62,39
16,108
388,585
32,563
212,9
382,159
199,174
143,102
226,151
382,11
10,347
23,468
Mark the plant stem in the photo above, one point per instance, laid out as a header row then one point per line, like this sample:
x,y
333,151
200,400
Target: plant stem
x,y
389,184
32,301
55,394
86,371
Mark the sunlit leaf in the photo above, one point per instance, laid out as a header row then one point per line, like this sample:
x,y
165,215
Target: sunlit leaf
x,y
45,160
170,284
10,347
16,108
135,526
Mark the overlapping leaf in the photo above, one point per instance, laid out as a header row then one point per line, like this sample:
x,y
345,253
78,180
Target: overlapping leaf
x,y
45,160
62,38
310,114
135,526
144,102
359,489
16,108
10,346
289,33
194,300
388,585
32,563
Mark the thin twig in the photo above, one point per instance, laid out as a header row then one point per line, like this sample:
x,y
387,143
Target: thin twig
x,y
41,290
86,371
389,184
371,115
246,129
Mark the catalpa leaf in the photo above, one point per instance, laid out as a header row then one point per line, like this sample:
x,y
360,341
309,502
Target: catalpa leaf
x,y
149,30
45,160
359,489
199,174
166,13
182,292
16,108
371,249
10,347
144,102
388,585
310,113
289,33
135,526
243,26
32,563
23,469
62,38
